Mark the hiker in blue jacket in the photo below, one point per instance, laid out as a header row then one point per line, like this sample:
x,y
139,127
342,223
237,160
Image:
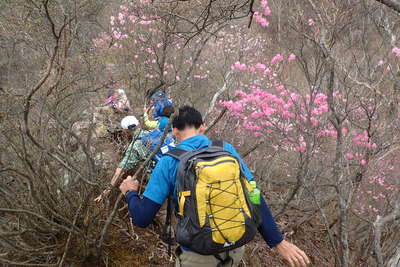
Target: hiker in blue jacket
x,y
159,101
188,129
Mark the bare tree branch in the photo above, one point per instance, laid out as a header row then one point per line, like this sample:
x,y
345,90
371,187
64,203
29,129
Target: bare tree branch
x,y
217,94
392,4
379,223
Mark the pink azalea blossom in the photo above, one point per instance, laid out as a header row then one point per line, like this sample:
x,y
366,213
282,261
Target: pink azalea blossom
x,y
283,93
267,11
326,133
260,66
145,22
117,34
291,57
363,162
310,22
132,19
121,18
369,145
348,156
277,58
232,105
260,19
239,66
256,115
263,3
396,51
300,149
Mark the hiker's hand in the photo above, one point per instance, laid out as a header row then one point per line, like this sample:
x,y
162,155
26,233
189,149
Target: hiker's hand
x,y
295,256
100,197
129,184
146,110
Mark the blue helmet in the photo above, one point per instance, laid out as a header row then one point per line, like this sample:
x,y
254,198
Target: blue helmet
x,y
158,94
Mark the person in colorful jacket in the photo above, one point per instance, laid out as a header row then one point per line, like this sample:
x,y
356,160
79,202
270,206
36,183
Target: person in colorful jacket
x,y
163,120
135,152
118,100
159,101
188,129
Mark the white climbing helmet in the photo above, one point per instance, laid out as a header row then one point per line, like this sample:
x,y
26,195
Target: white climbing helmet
x,y
129,122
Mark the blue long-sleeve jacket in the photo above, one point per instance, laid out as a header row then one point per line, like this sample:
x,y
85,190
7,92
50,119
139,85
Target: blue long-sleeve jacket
x,y
162,184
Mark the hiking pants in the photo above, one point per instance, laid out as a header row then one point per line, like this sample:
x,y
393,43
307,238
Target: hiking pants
x,y
191,259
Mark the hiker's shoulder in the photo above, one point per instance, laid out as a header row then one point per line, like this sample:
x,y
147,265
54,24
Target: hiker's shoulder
x,y
194,142
226,145
139,132
167,160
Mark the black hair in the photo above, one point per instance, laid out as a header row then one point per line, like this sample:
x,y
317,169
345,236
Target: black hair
x,y
187,117
132,126
168,111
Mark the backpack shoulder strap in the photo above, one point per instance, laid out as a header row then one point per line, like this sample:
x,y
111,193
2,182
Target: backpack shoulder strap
x,y
176,153
218,143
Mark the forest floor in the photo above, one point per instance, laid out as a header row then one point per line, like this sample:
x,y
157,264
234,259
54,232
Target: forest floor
x,y
143,247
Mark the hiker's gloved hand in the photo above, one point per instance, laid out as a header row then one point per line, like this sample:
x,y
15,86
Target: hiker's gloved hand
x,y
102,195
129,184
291,253
146,110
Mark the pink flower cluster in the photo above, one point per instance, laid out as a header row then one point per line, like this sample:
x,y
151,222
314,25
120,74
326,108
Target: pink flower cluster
x,y
277,58
331,133
396,51
310,22
350,156
260,66
263,112
291,57
239,66
281,111
362,139
260,17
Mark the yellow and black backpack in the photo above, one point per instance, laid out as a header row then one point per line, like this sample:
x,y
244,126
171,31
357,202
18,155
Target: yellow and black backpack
x,y
214,211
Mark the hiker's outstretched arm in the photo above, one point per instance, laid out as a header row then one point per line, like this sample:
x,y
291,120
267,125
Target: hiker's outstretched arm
x,y
268,228
114,179
143,210
117,174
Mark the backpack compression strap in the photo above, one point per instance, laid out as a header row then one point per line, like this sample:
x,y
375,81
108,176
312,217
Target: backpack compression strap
x,y
218,143
178,152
